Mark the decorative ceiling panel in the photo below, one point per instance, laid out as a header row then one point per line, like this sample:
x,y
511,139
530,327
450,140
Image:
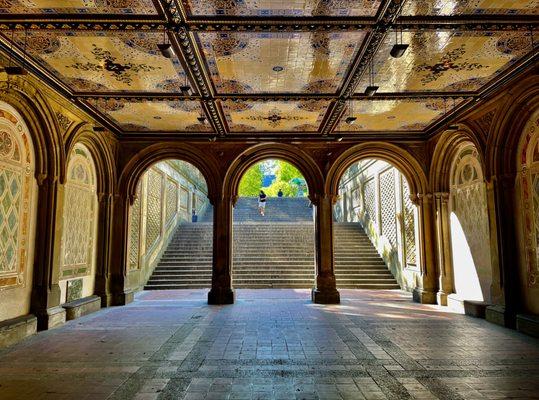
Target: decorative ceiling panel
x,y
158,116
124,7
287,62
274,116
446,60
278,8
395,115
105,61
470,7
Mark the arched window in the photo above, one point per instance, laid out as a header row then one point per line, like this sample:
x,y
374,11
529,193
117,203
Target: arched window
x,y
79,223
472,270
17,187
528,159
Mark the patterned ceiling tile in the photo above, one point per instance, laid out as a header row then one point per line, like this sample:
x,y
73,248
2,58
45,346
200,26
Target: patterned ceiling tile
x,y
290,62
470,7
395,115
105,61
162,116
275,116
77,7
446,61
275,8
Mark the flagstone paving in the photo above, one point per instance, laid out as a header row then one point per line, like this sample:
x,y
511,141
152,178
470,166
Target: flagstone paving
x,y
273,344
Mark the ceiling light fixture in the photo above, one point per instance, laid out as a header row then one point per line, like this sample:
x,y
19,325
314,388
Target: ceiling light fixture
x,y
398,49
165,48
338,138
185,89
201,119
372,88
350,120
13,70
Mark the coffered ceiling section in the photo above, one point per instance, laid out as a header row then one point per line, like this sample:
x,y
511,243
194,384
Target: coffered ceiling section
x,y
277,8
282,62
399,115
153,116
125,7
274,116
105,61
446,61
470,7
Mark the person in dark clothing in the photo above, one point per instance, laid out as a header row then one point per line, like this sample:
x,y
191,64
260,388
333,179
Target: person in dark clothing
x,y
262,202
280,193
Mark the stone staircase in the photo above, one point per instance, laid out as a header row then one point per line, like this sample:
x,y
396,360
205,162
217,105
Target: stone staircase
x,y
274,251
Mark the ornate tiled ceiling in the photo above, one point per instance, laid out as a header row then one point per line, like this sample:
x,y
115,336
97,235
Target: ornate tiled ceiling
x,y
272,67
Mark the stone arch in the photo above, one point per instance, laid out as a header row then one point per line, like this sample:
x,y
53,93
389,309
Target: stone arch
x,y
18,195
394,155
78,223
285,152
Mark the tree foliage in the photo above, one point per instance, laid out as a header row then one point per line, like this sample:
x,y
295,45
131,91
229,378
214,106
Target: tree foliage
x,y
251,182
285,173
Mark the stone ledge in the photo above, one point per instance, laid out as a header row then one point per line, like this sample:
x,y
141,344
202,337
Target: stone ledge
x,y
78,308
473,308
528,324
16,329
498,315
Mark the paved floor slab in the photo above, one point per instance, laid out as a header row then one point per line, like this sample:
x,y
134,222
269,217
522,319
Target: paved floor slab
x,y
273,344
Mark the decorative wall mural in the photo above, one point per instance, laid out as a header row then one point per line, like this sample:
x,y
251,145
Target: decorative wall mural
x,y
163,116
79,215
279,62
396,115
105,61
528,164
446,60
274,8
77,6
470,7
16,192
273,116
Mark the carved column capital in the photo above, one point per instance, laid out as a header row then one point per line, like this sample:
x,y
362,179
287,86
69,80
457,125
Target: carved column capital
x,y
46,179
443,197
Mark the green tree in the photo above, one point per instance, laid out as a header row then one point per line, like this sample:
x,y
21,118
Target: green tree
x,y
288,189
287,172
251,182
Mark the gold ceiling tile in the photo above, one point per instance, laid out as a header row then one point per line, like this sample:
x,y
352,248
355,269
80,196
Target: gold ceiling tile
x,y
470,7
446,60
105,61
274,116
395,115
158,116
279,8
124,7
285,62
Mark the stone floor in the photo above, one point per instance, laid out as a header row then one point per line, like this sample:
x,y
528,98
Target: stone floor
x,y
273,344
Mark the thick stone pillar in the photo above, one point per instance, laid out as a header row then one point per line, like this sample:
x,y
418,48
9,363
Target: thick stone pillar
x,y
221,282
104,238
45,302
325,291
425,292
443,245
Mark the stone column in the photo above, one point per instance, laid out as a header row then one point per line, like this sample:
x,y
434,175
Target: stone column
x,y
443,245
325,291
104,237
45,301
426,290
221,282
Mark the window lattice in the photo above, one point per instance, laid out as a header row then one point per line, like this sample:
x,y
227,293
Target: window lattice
x,y
409,224
535,194
10,207
387,205
134,230
153,216
172,201
369,190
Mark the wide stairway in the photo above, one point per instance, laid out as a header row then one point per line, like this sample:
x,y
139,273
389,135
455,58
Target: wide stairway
x,y
274,251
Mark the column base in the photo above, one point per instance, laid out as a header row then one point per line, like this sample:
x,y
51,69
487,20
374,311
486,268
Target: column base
x,y
121,299
325,297
50,318
221,296
499,315
423,296
441,298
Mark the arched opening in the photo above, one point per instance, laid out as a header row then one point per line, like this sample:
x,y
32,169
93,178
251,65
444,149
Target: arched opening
x,y
273,228
18,201
375,228
469,227
78,208
170,228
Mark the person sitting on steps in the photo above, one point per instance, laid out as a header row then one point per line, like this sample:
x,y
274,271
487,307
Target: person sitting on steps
x,y
262,202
